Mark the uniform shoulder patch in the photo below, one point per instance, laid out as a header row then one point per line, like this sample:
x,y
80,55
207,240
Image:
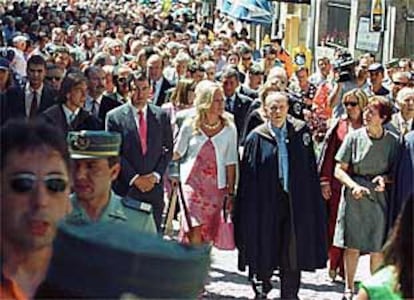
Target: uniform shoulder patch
x,y
137,205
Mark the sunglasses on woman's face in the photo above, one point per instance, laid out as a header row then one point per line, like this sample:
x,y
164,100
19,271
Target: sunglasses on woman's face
x,y
25,182
352,104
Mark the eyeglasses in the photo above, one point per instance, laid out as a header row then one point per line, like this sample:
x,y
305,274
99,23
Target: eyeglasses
x,y
122,80
57,78
25,182
352,104
246,58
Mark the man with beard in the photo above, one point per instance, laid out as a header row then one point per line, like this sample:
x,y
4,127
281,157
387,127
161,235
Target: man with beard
x,y
34,170
96,163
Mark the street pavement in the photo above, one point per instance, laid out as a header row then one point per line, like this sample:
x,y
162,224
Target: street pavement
x,y
226,282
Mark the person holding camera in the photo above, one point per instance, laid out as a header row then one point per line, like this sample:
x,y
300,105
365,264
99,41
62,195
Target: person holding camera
x,y
344,81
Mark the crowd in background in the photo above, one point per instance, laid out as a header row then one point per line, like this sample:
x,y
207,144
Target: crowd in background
x,y
187,89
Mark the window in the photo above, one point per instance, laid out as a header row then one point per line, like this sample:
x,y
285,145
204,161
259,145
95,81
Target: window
x,y
338,24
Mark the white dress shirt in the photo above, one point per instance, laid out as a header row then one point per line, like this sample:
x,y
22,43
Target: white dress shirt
x,y
28,97
135,112
90,101
70,115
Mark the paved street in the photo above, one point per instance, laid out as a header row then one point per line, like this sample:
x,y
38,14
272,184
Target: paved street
x,y
226,282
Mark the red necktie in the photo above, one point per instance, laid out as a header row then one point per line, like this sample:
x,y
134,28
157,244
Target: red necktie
x,y
33,106
142,132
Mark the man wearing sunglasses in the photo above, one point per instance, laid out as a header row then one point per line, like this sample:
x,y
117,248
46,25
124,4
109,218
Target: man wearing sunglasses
x,y
34,197
96,163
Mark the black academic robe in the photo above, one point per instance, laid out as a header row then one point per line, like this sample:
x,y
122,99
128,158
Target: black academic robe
x,y
259,200
403,178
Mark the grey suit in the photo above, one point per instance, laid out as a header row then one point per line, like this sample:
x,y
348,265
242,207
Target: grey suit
x,y
133,162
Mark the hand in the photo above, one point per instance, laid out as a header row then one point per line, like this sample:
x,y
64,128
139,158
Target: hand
x,y
380,182
174,181
144,184
326,191
229,203
359,191
152,178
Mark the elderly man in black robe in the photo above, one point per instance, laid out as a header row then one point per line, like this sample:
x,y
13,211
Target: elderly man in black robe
x,y
279,216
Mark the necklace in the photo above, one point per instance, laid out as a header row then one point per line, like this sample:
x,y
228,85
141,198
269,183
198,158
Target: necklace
x,y
213,126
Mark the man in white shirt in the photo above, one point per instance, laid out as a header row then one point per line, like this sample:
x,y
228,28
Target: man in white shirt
x,y
96,87
34,97
402,122
159,84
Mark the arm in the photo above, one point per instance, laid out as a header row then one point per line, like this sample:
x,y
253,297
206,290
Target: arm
x,y
362,295
333,97
167,145
127,171
357,190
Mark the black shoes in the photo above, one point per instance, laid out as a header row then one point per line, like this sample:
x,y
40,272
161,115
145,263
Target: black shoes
x,y
261,288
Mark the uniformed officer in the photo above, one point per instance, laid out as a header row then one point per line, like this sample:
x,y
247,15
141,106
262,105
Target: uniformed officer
x,y
95,155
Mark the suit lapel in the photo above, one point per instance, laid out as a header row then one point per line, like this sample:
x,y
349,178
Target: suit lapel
x,y
153,129
130,123
62,119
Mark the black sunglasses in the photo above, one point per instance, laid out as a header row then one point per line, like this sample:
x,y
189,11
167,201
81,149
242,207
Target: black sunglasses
x,y
400,83
54,78
25,182
122,80
353,104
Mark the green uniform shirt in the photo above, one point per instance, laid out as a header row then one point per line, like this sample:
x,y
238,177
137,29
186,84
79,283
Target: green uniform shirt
x,y
136,214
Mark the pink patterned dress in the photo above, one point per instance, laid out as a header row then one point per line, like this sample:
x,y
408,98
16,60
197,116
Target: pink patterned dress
x,y
203,198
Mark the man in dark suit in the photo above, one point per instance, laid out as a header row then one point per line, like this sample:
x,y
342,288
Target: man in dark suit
x,y
146,145
160,85
69,114
120,96
34,97
236,103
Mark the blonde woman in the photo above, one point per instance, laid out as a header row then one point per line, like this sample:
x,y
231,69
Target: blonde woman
x,y
354,102
207,149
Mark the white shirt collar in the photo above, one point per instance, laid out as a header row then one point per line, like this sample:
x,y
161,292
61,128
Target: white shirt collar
x,y
29,89
135,110
98,100
68,113
401,121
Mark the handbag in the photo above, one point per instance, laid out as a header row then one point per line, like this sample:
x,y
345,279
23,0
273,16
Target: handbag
x,y
225,233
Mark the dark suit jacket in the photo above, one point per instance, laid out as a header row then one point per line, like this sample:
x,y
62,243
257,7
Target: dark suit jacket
x,y
83,121
159,149
107,104
241,107
165,86
14,106
252,94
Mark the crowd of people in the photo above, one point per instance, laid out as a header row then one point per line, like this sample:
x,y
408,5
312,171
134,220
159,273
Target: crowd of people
x,y
109,107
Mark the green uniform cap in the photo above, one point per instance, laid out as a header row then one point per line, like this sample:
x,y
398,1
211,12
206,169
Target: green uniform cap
x,y
93,144
109,261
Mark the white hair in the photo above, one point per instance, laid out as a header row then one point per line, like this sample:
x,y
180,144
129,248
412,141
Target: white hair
x,y
404,93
